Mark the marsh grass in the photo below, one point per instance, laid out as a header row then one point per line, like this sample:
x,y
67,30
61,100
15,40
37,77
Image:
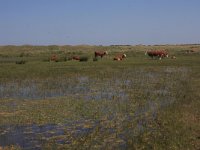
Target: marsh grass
x,y
20,62
139,103
84,58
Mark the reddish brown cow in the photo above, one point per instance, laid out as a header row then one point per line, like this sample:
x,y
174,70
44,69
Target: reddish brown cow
x,y
119,57
76,58
190,51
101,54
157,54
54,57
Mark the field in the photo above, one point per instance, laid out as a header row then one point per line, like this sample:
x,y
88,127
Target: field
x,y
137,103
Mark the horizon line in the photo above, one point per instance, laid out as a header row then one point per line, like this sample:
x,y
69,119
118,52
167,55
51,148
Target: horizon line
x,y
98,44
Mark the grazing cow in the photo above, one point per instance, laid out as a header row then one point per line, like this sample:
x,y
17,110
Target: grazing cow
x,y
54,57
119,57
101,54
157,54
190,51
76,58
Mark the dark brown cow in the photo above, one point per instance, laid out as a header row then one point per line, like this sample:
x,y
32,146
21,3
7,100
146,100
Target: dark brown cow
x,y
119,57
190,51
157,54
54,57
76,58
101,54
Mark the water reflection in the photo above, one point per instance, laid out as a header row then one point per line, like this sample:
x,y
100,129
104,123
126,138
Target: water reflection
x,y
77,87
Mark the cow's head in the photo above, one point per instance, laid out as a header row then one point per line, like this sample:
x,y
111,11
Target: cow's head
x,y
106,52
124,56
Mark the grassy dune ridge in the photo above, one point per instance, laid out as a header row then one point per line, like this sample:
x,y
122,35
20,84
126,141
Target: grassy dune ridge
x,y
137,103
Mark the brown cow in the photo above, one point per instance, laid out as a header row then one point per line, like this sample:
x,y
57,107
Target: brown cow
x,y
101,54
190,51
54,57
157,54
119,57
76,58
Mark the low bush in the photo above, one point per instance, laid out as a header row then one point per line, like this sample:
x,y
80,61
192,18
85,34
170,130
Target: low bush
x,y
95,59
20,62
67,58
84,58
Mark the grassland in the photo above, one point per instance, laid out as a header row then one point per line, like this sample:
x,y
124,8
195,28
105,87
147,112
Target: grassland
x,y
137,103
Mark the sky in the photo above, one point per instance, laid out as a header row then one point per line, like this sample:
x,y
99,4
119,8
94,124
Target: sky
x,y
99,22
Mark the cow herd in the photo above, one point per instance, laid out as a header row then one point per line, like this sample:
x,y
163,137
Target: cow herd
x,y
118,57
154,54
101,54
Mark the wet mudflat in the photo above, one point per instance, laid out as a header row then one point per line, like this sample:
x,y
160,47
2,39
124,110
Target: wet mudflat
x,y
35,136
114,109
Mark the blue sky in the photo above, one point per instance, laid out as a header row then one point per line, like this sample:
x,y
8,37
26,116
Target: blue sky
x,y
99,22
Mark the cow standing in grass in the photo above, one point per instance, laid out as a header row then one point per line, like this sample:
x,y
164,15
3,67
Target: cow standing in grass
x,y
101,54
157,54
119,57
